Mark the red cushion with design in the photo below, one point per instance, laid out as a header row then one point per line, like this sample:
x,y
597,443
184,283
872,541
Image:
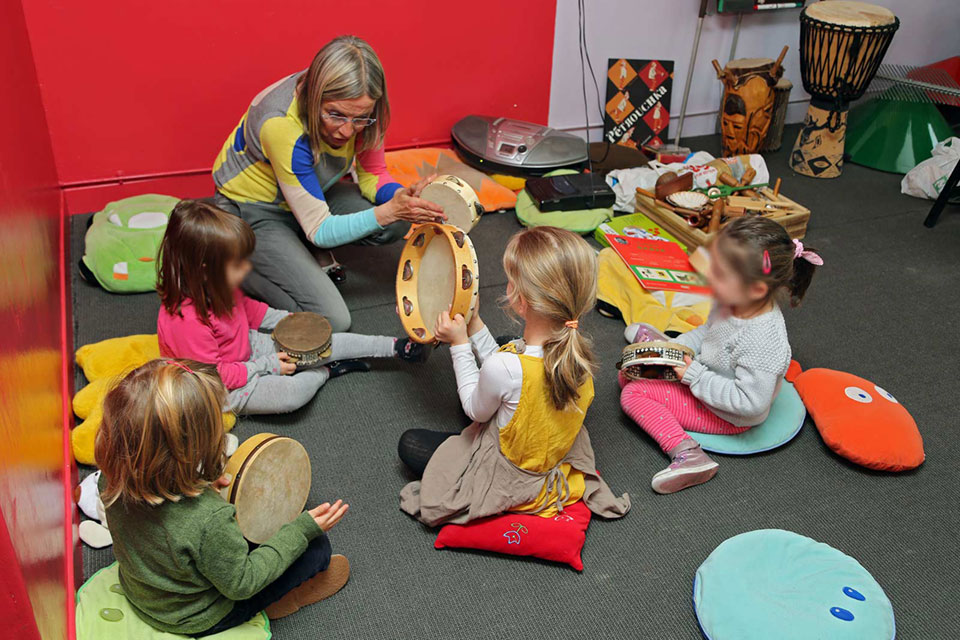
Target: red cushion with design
x,y
861,421
558,539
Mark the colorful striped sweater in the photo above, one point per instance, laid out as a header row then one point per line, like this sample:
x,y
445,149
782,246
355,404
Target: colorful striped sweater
x,y
267,159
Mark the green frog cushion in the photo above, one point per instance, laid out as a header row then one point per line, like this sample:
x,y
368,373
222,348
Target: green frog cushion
x,y
121,245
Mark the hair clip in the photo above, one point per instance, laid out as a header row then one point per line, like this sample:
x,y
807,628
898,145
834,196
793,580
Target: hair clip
x,y
766,263
571,324
176,363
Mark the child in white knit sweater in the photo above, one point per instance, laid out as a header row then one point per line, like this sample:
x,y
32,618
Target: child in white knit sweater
x,y
742,351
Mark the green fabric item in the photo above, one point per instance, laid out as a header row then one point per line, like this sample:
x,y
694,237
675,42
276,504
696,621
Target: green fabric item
x,y
104,613
121,245
784,422
584,221
778,584
182,563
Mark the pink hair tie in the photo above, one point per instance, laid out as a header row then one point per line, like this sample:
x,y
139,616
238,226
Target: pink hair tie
x,y
571,324
181,365
809,256
766,263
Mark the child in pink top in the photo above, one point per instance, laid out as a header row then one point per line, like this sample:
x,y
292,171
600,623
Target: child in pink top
x,y
205,317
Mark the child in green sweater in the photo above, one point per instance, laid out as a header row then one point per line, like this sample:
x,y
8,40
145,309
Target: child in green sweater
x,y
184,565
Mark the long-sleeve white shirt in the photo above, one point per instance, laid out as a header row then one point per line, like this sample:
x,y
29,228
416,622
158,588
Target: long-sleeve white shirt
x,y
490,393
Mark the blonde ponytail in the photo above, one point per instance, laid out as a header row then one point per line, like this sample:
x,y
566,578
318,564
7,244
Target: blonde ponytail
x,y
555,272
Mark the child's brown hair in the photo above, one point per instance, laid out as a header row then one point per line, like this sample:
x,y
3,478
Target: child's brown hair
x,y
162,433
199,243
555,272
760,250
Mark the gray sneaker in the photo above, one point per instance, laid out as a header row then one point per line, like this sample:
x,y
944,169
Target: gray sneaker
x,y
690,466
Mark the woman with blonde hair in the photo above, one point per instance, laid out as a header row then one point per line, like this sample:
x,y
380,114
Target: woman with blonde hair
x,y
282,167
527,450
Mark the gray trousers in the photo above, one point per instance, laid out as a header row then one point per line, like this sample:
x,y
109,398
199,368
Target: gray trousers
x,y
265,394
286,274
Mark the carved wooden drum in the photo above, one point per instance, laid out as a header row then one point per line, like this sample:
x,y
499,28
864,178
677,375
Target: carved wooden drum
x,y
653,360
458,199
438,271
781,100
305,337
269,486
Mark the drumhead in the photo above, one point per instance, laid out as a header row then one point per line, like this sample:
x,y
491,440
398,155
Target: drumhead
x,y
270,485
458,199
437,281
850,13
303,331
749,64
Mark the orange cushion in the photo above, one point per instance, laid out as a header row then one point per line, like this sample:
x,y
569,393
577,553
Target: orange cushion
x,y
861,421
410,165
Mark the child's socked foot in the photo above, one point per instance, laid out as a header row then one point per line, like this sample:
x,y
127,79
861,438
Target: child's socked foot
x,y
690,466
319,587
410,351
343,367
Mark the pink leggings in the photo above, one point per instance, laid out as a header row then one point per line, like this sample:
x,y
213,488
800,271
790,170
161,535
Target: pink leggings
x,y
665,410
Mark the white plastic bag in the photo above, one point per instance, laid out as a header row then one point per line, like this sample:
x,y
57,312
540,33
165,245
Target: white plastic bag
x,y
927,178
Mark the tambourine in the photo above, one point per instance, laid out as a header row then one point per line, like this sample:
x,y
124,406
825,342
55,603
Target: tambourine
x,y
458,199
269,485
304,336
653,360
438,271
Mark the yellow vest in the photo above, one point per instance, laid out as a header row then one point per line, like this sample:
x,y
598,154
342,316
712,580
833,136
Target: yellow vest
x,y
539,435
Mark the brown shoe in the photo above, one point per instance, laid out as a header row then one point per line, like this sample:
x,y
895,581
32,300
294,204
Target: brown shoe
x,y
319,587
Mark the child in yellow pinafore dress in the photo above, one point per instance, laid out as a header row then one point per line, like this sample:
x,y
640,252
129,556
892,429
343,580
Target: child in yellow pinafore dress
x,y
527,450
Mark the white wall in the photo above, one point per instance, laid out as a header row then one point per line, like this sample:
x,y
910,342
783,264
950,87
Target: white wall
x,y
664,29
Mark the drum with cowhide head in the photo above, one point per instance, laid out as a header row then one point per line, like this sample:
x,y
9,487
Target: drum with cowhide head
x,y
305,337
458,199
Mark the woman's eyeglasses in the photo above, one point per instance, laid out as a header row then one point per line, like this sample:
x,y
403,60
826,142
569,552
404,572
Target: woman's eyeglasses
x,y
358,123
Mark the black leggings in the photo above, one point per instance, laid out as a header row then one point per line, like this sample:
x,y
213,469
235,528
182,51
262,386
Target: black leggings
x,y
416,446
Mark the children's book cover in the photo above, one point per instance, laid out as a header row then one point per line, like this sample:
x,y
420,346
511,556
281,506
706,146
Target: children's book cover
x,y
638,101
658,265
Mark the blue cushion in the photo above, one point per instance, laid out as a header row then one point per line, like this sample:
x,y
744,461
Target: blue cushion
x,y
772,583
104,613
784,422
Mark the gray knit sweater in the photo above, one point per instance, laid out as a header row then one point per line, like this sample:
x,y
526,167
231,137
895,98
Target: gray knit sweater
x,y
739,365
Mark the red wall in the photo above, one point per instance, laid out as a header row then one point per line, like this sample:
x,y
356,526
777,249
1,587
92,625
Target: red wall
x,y
36,581
135,88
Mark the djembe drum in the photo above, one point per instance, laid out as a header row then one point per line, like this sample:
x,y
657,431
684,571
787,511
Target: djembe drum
x,y
841,45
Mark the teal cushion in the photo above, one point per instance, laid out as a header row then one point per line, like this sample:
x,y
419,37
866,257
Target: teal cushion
x,y
583,221
784,422
104,613
121,245
778,584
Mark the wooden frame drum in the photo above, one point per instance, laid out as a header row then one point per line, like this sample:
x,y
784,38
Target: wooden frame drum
x,y
269,485
304,336
653,360
438,270
458,199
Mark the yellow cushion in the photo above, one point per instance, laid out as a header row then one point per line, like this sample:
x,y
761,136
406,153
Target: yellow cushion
x,y
665,310
104,364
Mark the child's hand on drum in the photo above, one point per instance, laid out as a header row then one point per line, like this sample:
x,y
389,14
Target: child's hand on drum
x,y
287,365
451,330
326,515
680,371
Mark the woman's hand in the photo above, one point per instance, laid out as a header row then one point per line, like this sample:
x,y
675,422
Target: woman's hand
x,y
680,371
407,205
451,330
326,515
287,365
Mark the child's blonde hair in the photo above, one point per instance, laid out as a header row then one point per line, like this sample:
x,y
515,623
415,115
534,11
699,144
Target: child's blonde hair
x,y
345,68
162,433
555,273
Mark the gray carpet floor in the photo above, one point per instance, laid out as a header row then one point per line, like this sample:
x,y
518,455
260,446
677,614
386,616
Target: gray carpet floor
x,y
885,307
